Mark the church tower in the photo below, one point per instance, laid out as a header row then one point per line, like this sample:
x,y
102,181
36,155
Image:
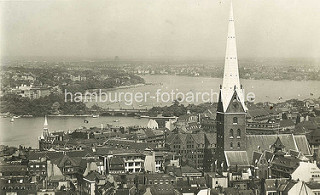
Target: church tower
x,y
231,111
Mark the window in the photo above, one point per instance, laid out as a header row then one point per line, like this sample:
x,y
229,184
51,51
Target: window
x,y
235,120
231,133
238,133
231,145
238,144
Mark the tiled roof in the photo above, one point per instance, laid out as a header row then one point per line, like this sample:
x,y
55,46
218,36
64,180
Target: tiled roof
x,y
264,143
302,144
237,158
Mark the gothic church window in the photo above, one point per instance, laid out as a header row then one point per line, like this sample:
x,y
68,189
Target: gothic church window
x,y
231,133
235,120
238,133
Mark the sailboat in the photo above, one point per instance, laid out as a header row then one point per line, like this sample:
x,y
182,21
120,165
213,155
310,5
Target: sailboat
x,y
12,120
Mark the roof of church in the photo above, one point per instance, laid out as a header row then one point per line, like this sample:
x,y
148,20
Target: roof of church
x,y
264,143
302,144
237,158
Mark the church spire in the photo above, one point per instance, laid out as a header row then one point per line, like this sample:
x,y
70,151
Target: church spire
x,y
231,72
45,124
45,132
231,81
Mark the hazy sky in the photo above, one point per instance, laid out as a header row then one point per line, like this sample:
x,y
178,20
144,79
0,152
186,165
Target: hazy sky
x,y
159,28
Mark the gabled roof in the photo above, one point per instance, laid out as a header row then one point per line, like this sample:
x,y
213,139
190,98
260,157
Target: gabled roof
x,y
93,175
228,96
278,144
198,138
75,161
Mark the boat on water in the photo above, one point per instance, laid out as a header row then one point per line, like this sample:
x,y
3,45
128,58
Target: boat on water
x,y
15,117
12,120
144,116
95,116
117,120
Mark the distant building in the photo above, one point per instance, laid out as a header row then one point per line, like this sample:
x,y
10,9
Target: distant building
x,y
152,124
32,92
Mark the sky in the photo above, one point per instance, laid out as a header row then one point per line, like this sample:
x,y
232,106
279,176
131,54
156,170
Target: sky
x,y
159,28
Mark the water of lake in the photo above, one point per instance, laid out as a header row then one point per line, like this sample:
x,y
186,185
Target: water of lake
x,y
25,131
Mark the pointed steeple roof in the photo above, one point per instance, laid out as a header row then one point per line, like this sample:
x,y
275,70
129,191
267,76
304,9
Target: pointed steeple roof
x,y
231,81
278,144
278,147
45,124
